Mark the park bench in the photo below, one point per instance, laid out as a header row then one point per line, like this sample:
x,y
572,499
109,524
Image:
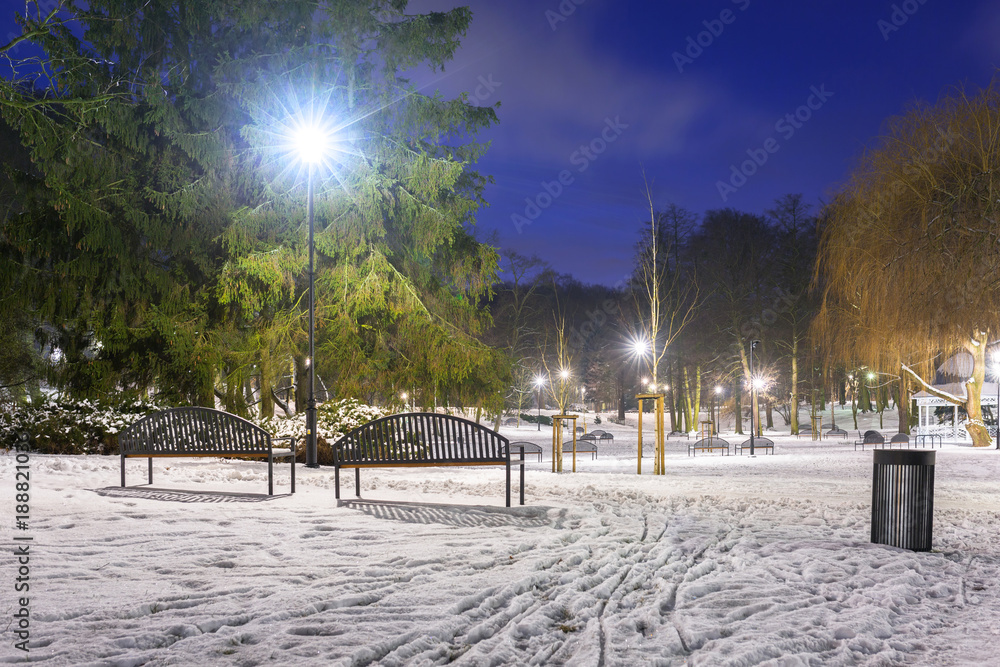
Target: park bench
x,y
679,434
510,421
900,439
422,439
528,447
603,435
193,432
709,445
873,438
758,443
837,433
584,445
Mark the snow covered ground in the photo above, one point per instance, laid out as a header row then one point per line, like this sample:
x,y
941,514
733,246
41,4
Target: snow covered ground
x,y
722,561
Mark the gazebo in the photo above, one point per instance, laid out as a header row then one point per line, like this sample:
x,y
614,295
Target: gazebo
x,y
927,404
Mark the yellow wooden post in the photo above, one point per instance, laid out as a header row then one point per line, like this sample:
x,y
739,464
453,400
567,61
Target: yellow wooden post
x,y
660,436
639,467
555,426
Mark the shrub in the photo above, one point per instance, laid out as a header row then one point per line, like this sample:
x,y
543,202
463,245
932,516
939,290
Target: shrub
x,y
69,426
534,419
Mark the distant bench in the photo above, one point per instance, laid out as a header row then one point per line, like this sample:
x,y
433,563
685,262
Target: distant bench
x,y
708,445
586,444
201,432
422,439
528,448
758,443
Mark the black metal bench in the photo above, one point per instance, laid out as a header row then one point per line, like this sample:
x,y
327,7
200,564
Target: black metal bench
x,y
679,434
528,447
837,433
873,438
603,435
899,439
758,443
201,432
421,439
584,444
709,445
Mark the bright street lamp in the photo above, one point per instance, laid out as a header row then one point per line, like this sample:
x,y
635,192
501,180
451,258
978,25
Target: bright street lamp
x,y
311,144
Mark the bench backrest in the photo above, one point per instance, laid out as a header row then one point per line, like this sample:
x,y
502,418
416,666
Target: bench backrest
x,y
581,445
421,436
588,436
900,437
873,437
193,431
757,442
711,442
526,446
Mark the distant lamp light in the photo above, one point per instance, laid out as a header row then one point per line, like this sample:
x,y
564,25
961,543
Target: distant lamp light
x,y
718,389
564,374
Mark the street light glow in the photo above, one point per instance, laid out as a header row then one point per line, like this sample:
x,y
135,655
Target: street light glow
x,y
564,374
718,389
539,381
312,143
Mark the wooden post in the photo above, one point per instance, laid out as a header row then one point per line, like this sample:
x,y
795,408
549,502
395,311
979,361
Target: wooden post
x,y
661,436
555,439
660,440
638,470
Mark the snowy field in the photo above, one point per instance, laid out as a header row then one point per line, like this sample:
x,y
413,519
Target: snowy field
x,y
722,561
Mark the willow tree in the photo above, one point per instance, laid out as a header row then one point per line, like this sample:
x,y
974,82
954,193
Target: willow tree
x,y
909,258
163,216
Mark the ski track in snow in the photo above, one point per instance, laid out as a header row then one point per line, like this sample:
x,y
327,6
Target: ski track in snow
x,y
719,564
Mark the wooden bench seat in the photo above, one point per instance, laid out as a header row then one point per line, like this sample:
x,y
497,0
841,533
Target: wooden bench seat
x,y
421,439
196,431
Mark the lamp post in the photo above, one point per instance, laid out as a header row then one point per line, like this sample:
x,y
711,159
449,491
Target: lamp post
x,y
753,395
715,415
311,143
539,381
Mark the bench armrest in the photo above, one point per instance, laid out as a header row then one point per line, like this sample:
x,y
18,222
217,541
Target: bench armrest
x,y
283,438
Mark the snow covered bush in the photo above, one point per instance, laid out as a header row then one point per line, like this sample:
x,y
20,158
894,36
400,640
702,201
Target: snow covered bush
x,y
69,426
333,419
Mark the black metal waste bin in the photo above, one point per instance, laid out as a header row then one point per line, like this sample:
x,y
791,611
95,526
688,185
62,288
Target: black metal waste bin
x,y
903,498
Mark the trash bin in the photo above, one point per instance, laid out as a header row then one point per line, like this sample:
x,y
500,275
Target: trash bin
x,y
903,498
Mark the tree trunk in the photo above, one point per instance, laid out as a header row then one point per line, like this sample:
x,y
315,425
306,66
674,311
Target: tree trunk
x,y
974,391
301,384
903,405
738,407
795,384
769,412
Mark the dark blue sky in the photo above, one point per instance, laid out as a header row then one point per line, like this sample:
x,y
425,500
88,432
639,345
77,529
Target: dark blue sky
x,y
564,83
594,95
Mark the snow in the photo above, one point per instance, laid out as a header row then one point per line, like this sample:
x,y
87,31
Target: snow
x,y
725,560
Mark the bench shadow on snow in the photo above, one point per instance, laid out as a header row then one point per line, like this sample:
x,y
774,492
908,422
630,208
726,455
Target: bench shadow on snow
x,y
181,496
452,515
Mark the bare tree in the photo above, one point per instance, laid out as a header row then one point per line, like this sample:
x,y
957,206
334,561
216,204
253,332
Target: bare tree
x,y
909,258
666,292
